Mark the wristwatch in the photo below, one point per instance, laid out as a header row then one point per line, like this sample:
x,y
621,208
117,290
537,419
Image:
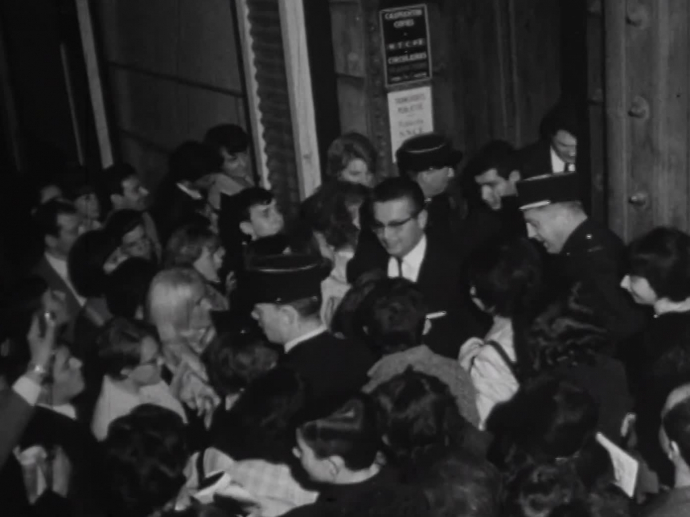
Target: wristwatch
x,y
38,370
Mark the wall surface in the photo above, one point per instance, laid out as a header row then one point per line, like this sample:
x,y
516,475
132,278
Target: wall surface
x,y
173,70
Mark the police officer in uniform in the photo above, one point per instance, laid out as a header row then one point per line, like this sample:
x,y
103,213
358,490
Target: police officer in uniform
x,y
583,251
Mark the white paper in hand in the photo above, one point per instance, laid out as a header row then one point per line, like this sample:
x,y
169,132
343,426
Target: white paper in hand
x,y
625,467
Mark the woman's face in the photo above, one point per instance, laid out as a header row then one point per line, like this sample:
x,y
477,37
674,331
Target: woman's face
x,y
209,262
357,171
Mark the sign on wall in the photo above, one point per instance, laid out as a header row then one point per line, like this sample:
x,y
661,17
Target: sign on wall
x,y
410,113
406,47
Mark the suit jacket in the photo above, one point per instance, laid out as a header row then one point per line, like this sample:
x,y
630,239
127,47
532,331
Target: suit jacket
x,y
15,413
443,283
333,368
594,256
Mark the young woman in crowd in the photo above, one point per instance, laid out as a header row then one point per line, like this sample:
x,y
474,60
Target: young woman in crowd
x,y
341,453
352,158
332,214
196,246
506,282
179,305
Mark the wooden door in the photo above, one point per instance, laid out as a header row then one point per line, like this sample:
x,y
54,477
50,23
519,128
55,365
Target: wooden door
x,y
646,61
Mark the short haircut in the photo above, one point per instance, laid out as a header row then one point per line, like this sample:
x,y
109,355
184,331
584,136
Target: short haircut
x,y
230,137
507,274
248,198
676,424
329,212
46,216
307,307
145,455
417,413
113,177
396,317
354,308
123,221
348,147
126,287
187,243
392,189
234,359
496,154
191,161
562,117
350,433
86,260
460,484
119,344
262,423
662,257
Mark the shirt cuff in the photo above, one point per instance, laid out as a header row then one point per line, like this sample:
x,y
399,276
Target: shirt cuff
x,y
27,389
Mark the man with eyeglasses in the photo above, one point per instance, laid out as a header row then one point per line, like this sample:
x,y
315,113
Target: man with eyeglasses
x,y
399,220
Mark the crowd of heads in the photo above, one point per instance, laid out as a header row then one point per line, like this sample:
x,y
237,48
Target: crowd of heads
x,y
182,303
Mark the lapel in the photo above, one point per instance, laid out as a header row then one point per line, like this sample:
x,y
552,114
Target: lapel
x,y
436,275
55,282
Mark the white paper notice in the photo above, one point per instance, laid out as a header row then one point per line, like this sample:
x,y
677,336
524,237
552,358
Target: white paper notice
x,y
410,113
625,467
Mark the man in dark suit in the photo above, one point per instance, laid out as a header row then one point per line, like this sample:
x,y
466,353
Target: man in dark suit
x,y
556,152
495,171
399,220
286,291
58,223
582,251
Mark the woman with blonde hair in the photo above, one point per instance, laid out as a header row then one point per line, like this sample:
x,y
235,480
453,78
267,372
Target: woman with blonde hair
x,y
179,305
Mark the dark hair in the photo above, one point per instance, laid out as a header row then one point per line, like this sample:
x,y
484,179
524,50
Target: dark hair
x,y
349,317
186,244
46,216
236,358
126,288
76,182
561,428
459,484
145,455
566,332
392,189
350,433
230,137
249,197
538,490
562,117
262,423
396,318
347,147
328,212
121,222
605,502
86,260
113,177
119,344
507,275
662,257
496,154
307,307
417,413
676,424
191,161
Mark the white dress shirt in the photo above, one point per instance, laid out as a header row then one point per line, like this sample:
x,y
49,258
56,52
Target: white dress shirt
x,y
305,337
557,165
411,263
60,267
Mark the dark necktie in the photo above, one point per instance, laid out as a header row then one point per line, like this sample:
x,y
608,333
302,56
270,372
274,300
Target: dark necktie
x,y
400,270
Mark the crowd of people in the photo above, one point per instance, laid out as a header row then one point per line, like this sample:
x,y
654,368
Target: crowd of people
x,y
415,343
